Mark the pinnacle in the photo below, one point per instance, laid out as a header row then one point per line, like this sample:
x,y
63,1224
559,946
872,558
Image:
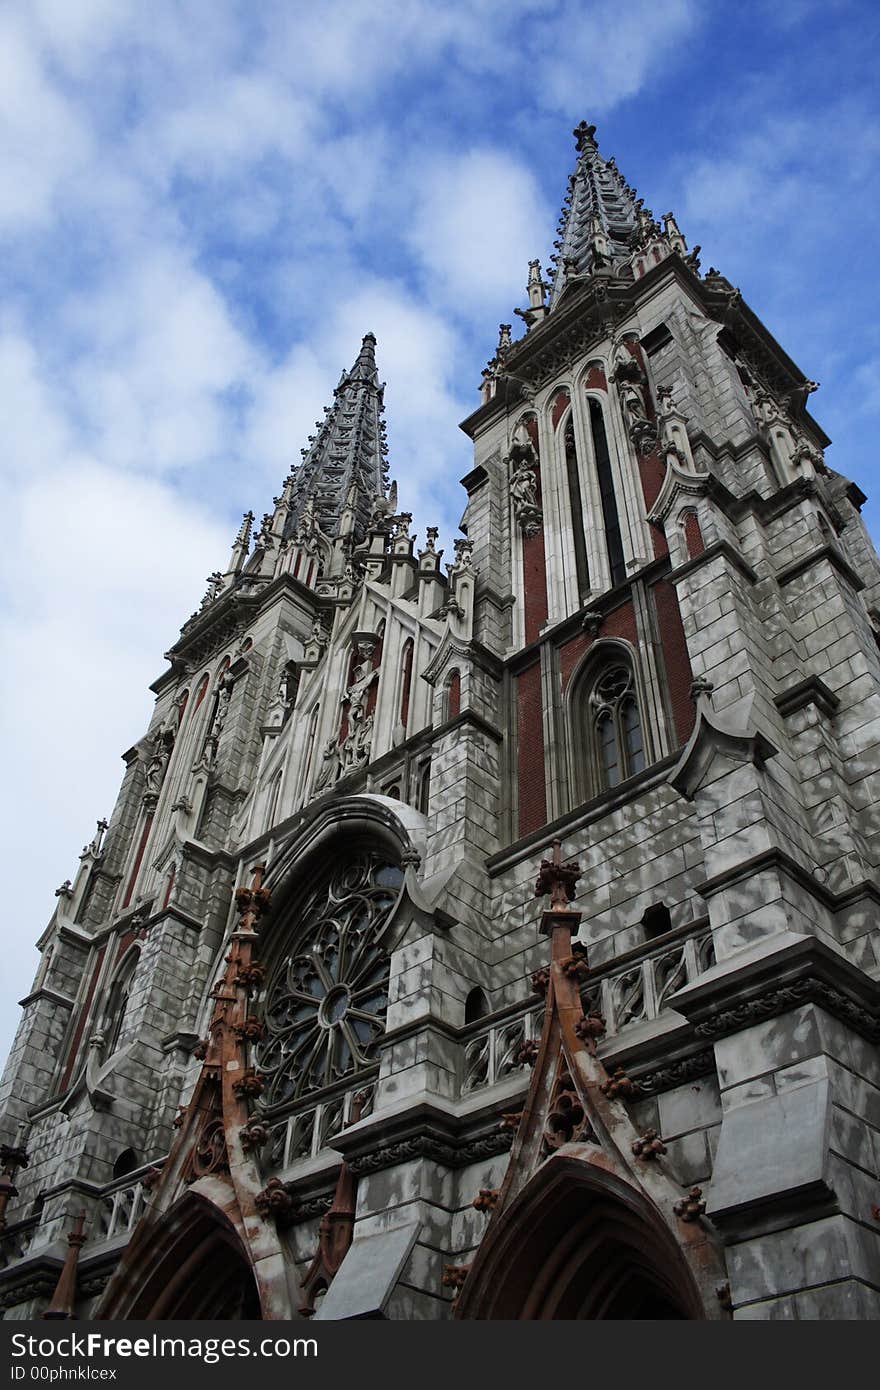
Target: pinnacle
x,y
600,216
347,448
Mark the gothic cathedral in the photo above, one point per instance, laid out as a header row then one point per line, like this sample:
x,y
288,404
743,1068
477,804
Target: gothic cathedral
x,y
493,939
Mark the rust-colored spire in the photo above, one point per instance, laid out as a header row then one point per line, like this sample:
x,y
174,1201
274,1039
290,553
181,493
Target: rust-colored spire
x,y
63,1303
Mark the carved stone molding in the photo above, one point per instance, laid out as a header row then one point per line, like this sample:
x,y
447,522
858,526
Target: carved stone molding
x,y
779,975
773,1002
451,1153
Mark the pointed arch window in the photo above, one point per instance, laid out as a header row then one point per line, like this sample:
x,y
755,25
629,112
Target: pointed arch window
x,y
616,727
610,514
117,1002
577,511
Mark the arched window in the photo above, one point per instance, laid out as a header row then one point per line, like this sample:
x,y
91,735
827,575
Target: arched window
x,y
406,666
423,798
577,511
326,993
617,743
117,1002
610,515
125,1163
476,1005
656,921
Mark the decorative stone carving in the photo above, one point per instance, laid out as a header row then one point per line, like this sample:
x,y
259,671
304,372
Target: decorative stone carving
x,y
524,482
649,1146
631,383
691,1207
215,586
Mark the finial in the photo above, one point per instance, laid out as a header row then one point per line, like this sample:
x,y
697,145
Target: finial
x,y
558,879
584,136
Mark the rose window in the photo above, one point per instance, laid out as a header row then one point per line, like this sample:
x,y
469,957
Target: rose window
x,y
324,1005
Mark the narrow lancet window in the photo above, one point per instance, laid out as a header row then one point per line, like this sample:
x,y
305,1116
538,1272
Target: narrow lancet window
x,y
610,516
577,511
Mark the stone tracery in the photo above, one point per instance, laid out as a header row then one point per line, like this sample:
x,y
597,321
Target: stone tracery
x,y
325,1003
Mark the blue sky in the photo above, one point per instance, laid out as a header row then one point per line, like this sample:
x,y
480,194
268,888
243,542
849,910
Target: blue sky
x,y
204,205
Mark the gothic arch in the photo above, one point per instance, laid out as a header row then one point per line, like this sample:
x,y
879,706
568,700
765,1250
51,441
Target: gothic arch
x,y
579,1242
191,1264
605,654
116,998
368,819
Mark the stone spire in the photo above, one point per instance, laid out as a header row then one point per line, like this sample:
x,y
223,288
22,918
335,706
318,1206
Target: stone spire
x,y
346,458
601,220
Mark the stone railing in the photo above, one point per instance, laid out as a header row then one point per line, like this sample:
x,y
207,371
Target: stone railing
x,y
624,995
640,992
305,1132
123,1204
493,1053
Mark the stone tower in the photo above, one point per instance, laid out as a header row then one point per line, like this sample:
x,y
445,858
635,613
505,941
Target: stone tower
x,y
498,942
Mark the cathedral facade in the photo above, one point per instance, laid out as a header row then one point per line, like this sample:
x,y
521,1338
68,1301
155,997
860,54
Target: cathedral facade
x,y
497,937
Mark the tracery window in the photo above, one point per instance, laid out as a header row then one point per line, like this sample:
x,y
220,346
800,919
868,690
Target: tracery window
x,y
326,998
619,749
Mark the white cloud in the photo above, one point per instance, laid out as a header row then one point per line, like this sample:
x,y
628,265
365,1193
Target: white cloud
x,y
43,138
479,218
162,354
591,57
99,571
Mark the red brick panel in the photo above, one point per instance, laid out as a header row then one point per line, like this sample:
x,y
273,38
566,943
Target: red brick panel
x,y
535,583
530,751
145,835
679,676
454,701
560,406
596,380
693,535
621,623
570,655
406,681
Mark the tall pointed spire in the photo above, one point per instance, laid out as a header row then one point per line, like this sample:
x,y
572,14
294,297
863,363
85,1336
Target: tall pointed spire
x,y
601,216
347,452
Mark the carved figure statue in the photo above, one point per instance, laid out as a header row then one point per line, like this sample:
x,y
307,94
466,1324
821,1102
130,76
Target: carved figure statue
x,y
524,487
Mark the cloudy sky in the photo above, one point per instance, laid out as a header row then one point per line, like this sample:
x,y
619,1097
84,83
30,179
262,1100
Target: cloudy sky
x,y
205,204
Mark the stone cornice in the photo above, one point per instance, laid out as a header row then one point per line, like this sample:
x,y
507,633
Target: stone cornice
x,y
592,309
769,979
475,479
53,996
712,552
423,1130
811,691
779,859
829,553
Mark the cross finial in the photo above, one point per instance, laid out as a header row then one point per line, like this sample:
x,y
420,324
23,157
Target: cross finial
x,y
584,134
